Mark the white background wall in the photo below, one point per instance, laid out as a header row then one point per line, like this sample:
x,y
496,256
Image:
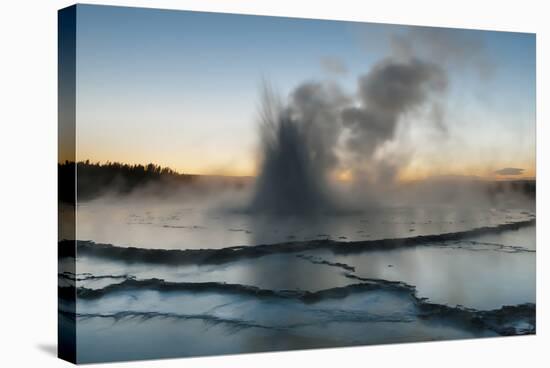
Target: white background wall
x,y
28,184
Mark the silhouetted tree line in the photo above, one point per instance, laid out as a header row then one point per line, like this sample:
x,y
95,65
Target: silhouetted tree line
x,y
95,179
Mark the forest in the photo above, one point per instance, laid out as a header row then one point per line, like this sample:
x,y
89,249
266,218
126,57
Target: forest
x,y
95,179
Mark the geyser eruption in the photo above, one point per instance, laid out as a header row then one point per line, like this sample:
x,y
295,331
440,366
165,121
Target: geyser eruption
x,y
301,138
296,153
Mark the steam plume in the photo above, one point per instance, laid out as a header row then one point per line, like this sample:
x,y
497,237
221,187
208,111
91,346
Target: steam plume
x,y
320,130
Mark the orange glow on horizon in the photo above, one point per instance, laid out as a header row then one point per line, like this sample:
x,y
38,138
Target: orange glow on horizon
x,y
411,174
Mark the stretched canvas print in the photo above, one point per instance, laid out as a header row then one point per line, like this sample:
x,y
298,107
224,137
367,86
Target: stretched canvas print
x,y
235,183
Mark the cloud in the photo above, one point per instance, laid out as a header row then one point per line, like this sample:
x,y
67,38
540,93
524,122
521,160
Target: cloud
x,y
508,171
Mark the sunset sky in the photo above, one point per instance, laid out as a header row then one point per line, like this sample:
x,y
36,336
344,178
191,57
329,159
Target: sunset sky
x,y
181,89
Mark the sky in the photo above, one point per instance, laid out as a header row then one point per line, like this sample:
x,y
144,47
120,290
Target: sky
x,y
181,89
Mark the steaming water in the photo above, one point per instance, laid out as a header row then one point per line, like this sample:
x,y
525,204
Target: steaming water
x,y
140,303
167,226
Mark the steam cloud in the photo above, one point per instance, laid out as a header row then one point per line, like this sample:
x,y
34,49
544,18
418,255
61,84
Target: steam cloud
x,y
390,90
320,129
298,150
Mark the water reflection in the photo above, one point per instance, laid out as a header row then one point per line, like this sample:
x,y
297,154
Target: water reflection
x,y
161,224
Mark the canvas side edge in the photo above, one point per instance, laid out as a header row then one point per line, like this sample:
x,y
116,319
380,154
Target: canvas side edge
x,y
67,184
